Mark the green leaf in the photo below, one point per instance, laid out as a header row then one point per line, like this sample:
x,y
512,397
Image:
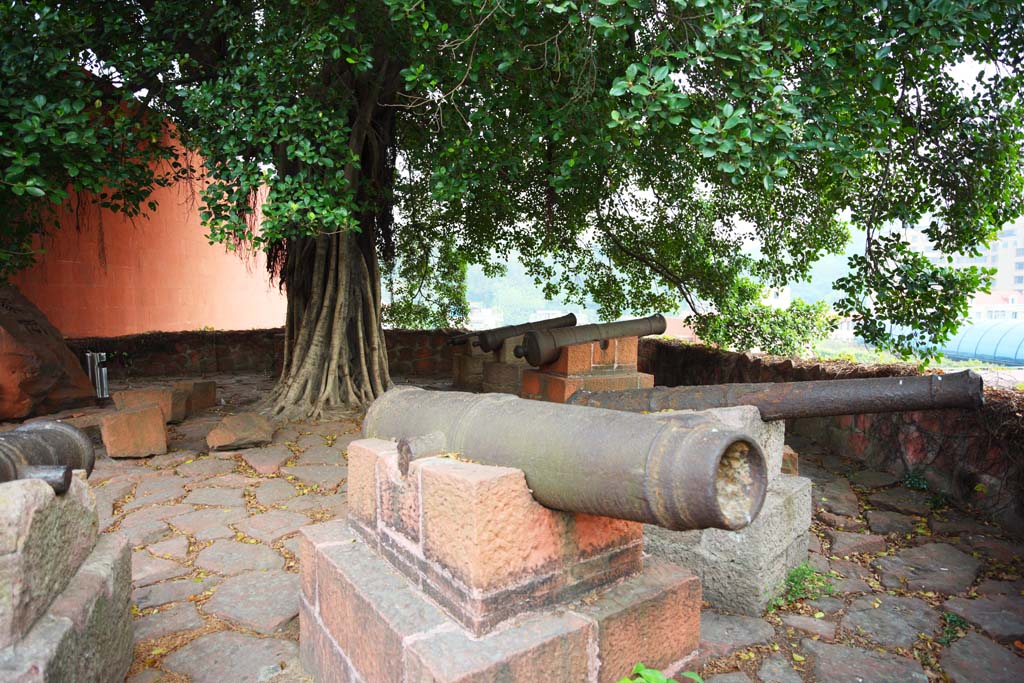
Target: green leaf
x,y
599,22
34,191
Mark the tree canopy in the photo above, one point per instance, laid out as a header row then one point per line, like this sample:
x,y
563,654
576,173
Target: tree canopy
x,y
630,151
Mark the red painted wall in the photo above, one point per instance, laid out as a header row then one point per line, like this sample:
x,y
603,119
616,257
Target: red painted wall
x,y
108,276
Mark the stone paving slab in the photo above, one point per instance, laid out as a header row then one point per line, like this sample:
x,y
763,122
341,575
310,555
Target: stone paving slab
x,y
231,557
1000,616
171,591
975,658
226,656
244,599
205,525
324,476
841,664
270,526
723,634
891,619
218,497
147,569
937,567
275,491
267,460
181,617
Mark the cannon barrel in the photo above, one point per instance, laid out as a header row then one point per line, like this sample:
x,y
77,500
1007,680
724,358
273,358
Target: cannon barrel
x,y
785,400
684,473
46,450
540,347
490,340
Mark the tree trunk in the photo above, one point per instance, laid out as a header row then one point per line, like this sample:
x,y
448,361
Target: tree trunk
x,y
335,358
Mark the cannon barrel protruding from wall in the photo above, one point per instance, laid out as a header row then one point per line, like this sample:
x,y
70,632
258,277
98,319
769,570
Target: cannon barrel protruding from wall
x,y
540,347
47,450
786,400
491,340
681,474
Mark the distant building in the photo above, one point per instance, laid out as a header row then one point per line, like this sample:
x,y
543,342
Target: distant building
x,y
1005,254
1005,305
484,318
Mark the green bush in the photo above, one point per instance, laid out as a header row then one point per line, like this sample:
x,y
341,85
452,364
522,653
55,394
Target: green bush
x,y
802,582
641,674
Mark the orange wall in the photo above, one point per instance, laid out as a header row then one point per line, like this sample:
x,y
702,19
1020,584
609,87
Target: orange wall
x,y
113,277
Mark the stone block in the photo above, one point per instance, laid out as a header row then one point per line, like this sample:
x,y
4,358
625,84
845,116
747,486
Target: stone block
x,y
397,504
135,433
500,377
546,647
467,507
319,654
372,624
369,610
468,364
244,430
506,353
652,617
173,402
86,635
741,571
577,359
202,394
44,538
362,477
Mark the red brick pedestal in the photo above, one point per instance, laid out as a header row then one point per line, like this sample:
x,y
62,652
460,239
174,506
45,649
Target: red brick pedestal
x,y
453,572
598,366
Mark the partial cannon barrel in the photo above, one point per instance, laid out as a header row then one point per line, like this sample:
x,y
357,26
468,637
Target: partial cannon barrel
x,y
680,474
786,400
491,340
542,346
46,450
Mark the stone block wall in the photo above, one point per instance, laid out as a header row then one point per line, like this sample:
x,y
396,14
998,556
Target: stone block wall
x,y
974,456
64,592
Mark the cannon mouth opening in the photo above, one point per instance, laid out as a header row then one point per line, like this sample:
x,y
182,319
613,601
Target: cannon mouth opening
x,y
740,484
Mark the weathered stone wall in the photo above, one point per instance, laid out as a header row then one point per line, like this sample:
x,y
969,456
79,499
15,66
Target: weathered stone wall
x,y
972,456
421,353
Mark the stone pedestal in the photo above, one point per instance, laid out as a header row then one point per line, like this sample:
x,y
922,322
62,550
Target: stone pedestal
x,y
741,571
452,572
468,367
64,596
598,366
503,372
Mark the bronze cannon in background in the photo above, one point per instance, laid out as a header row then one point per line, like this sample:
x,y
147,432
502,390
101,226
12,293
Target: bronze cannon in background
x,y
680,472
541,347
46,450
786,400
491,340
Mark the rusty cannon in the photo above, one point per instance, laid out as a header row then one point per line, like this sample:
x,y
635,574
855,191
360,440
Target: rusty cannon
x,y
679,472
785,400
541,347
46,450
491,340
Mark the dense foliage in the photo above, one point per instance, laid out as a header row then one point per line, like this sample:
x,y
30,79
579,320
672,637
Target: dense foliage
x,y
65,135
642,153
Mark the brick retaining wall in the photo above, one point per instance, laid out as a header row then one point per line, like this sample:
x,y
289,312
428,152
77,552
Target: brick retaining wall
x,y
421,353
972,456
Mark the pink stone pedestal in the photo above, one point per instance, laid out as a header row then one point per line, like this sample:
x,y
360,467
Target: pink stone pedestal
x,y
453,572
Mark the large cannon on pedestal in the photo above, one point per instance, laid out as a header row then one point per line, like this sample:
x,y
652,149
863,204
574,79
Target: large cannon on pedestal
x,y
46,450
491,340
786,400
676,473
540,347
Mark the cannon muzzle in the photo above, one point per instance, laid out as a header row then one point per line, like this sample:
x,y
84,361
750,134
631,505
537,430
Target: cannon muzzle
x,y
688,472
46,450
786,400
542,346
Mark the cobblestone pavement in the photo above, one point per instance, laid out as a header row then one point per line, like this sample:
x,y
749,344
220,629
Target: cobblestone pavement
x,y
917,589
918,592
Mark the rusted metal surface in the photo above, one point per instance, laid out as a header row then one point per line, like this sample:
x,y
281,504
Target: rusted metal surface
x,y
491,340
540,347
687,472
46,450
785,400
